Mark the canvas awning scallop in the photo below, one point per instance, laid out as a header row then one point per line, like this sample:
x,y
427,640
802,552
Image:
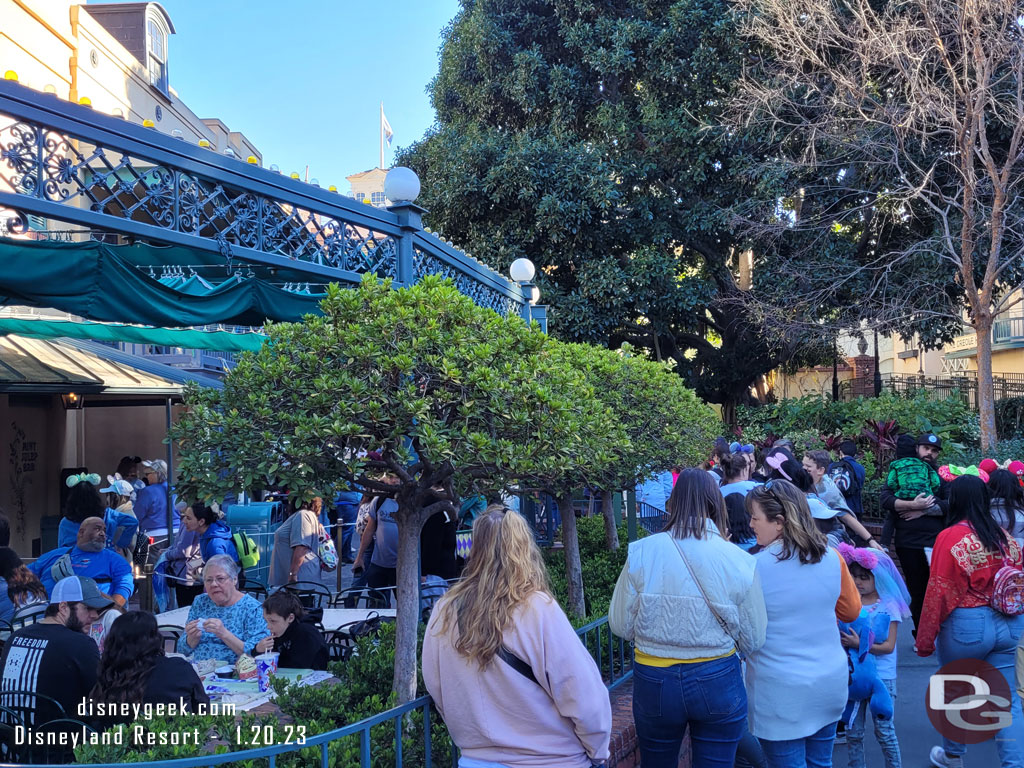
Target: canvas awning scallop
x,y
61,366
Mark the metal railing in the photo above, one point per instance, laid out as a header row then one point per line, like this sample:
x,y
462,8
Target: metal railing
x,y
68,163
963,386
614,657
651,518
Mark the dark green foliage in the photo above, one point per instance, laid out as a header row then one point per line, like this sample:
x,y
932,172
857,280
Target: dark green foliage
x,y
587,137
1010,416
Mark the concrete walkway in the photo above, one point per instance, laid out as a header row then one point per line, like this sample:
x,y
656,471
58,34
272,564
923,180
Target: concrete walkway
x,y
915,731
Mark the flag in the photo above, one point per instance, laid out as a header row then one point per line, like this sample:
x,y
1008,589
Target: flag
x,y
385,127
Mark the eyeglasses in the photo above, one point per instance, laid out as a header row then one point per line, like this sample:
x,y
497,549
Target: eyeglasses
x,y
217,580
737,448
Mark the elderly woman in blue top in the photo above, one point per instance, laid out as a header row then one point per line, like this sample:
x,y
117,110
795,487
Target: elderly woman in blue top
x,y
223,623
88,557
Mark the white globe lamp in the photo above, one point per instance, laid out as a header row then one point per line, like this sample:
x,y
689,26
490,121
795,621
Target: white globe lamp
x,y
522,271
401,185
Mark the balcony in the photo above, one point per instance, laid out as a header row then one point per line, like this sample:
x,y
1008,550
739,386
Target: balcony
x,y
1007,333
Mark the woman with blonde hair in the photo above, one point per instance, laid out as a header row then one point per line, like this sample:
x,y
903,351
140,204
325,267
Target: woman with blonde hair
x,y
505,668
689,600
797,681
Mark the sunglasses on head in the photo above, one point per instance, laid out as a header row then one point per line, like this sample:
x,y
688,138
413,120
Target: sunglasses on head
x,y
737,448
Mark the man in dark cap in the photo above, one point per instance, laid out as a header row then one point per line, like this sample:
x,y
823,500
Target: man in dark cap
x,y
917,522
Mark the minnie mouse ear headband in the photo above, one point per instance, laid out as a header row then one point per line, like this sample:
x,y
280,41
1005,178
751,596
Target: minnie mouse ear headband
x,y
775,461
988,465
737,448
952,472
73,480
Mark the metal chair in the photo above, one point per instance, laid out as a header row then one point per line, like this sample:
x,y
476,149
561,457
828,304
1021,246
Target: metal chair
x,y
360,597
44,754
10,750
171,633
30,614
255,588
31,707
310,593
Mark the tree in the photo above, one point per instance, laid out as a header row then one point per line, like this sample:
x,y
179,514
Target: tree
x,y
456,399
908,119
584,136
665,423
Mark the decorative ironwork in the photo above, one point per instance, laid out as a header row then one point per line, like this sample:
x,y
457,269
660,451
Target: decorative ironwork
x,y
65,163
41,163
424,263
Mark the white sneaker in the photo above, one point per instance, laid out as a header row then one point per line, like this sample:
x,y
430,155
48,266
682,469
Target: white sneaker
x,y
940,759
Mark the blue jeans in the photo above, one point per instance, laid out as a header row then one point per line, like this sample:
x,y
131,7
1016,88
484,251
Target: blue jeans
x,y
885,732
347,514
814,751
708,696
982,633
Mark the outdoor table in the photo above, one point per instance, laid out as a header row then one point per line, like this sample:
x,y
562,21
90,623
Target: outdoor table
x,y
245,695
333,617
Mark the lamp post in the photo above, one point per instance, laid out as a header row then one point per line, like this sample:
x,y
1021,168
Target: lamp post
x,y
402,187
522,272
835,370
878,373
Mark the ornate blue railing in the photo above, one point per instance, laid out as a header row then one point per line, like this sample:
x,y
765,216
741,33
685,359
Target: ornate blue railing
x,y
613,655
63,162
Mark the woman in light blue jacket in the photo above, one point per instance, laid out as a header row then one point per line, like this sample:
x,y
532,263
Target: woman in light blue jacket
x,y
690,601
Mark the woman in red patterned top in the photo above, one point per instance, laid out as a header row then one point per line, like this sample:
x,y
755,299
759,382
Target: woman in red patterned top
x,y
957,620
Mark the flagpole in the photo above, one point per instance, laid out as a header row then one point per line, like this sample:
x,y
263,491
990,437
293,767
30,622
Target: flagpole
x,y
381,135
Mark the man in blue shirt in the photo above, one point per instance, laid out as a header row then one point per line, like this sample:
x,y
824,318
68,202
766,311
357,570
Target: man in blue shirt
x,y
89,557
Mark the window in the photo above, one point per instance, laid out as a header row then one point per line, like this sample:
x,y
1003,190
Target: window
x,y
156,44
378,199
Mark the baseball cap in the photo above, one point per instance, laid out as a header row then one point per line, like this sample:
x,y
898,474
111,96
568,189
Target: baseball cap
x,y
120,487
79,589
930,439
820,510
158,464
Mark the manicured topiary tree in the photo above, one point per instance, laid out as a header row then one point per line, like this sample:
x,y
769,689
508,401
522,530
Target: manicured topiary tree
x,y
666,424
454,398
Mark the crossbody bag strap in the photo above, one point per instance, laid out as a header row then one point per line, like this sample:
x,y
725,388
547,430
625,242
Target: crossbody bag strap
x,y
516,663
711,606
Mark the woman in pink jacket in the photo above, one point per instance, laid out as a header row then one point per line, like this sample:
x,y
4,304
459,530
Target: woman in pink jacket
x,y
505,668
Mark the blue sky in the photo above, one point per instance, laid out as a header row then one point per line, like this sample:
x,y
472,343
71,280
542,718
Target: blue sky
x,y
304,79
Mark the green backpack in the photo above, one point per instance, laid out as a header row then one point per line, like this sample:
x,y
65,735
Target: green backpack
x,y
248,551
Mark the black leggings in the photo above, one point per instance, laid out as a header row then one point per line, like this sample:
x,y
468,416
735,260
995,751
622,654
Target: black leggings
x,y
915,573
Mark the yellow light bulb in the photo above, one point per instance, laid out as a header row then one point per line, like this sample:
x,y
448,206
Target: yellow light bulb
x,y
148,124
204,143
251,160
85,101
332,188
10,74
295,175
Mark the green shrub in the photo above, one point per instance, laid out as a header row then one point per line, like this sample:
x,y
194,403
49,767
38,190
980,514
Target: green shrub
x,y
601,567
805,420
1010,417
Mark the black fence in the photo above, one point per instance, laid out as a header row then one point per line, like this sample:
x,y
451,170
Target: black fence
x,y
962,386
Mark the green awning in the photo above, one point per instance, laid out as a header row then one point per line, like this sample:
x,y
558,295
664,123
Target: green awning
x,y
110,283
166,337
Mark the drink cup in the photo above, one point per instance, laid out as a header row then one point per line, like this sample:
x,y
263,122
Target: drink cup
x,y
266,665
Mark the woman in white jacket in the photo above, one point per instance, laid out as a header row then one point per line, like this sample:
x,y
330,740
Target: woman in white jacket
x,y
689,600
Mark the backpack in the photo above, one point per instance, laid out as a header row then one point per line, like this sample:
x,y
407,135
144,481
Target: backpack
x,y
248,551
842,475
1008,591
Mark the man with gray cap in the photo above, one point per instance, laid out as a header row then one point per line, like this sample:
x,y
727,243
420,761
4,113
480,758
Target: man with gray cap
x,y
151,503
54,657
